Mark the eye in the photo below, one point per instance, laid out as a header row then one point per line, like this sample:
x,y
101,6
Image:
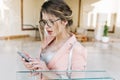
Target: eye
x,y
51,21
42,22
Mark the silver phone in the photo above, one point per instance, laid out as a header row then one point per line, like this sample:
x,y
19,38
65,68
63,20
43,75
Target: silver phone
x,y
24,56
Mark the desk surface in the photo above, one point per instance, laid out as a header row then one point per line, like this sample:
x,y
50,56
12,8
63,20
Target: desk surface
x,y
88,75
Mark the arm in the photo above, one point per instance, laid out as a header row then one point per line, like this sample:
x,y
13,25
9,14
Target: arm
x,y
79,60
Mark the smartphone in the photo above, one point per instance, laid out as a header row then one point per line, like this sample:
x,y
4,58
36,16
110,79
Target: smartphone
x,y
24,56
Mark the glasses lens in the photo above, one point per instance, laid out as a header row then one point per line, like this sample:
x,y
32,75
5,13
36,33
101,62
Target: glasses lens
x,y
50,23
42,23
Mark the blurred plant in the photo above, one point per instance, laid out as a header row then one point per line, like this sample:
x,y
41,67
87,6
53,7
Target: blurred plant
x,y
105,32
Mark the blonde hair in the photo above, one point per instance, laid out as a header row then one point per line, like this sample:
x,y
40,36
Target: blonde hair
x,y
59,9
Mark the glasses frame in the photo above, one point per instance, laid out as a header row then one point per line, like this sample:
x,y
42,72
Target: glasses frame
x,y
44,22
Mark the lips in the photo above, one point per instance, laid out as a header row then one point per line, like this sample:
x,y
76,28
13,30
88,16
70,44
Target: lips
x,y
49,32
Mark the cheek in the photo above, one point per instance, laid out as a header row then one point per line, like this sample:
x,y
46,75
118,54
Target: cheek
x,y
60,27
56,30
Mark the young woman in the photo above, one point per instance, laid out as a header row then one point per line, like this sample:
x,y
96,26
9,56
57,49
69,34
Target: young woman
x,y
60,50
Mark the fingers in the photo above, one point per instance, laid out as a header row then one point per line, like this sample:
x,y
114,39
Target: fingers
x,y
34,73
35,64
26,54
37,67
28,65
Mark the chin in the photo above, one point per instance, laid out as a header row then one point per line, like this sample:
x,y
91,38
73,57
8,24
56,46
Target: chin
x,y
51,34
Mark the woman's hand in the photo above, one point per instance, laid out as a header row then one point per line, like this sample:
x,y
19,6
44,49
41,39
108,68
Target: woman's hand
x,y
35,64
28,65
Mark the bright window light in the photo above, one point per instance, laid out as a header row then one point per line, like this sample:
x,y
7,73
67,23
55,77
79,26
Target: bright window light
x,y
3,7
108,7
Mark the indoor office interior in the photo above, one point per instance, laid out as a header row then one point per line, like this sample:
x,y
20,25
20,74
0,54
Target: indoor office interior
x,y
19,31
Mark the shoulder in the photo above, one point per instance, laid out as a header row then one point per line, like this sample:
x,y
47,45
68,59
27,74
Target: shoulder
x,y
79,49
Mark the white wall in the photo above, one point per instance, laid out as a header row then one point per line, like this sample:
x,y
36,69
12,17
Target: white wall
x,y
10,21
74,6
31,12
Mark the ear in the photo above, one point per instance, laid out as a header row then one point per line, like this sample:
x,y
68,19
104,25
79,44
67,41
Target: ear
x,y
65,22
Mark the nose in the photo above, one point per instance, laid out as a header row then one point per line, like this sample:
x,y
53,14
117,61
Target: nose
x,y
46,25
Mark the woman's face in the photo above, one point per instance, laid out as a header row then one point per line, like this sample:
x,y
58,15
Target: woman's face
x,y
53,25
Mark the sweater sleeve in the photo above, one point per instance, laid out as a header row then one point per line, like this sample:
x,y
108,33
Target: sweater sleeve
x,y
79,59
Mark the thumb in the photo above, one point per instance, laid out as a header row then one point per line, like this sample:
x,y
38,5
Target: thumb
x,y
27,54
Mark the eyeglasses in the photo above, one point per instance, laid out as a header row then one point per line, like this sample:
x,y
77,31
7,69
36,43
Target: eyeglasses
x,y
49,23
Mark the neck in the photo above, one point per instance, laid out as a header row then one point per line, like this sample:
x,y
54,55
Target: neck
x,y
59,40
63,36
